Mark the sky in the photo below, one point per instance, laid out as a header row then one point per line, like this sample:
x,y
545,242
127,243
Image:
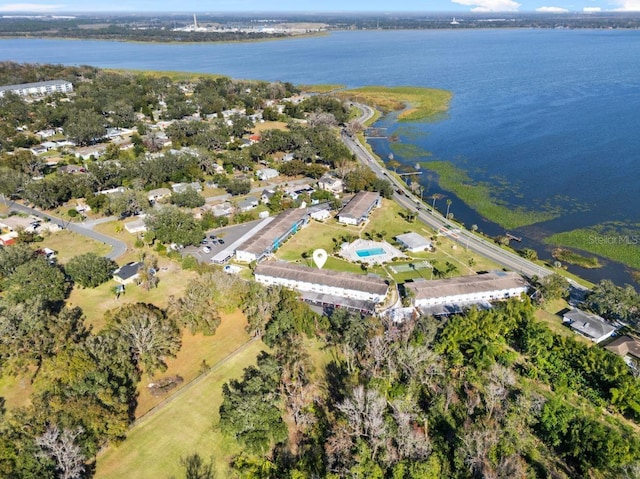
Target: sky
x,y
318,6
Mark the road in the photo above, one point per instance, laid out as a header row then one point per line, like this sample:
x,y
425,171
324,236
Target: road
x,y
118,248
434,219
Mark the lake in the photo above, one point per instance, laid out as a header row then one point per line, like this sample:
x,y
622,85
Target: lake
x,y
549,118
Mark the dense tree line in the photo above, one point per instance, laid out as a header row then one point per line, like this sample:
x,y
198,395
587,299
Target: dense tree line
x,y
84,382
485,394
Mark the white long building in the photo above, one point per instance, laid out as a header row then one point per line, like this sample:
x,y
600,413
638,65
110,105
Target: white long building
x,y
467,290
271,234
39,88
325,282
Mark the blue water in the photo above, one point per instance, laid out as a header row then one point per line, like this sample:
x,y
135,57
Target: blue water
x,y
550,117
365,253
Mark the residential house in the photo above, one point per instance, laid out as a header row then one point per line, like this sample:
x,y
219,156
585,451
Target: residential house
x,y
589,325
127,273
331,183
267,193
182,187
72,169
136,226
266,174
359,208
626,346
248,204
158,194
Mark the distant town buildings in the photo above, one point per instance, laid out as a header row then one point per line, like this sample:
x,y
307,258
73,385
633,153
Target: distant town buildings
x,y
38,89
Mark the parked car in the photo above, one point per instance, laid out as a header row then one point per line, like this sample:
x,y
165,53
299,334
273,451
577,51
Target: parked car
x,y
221,241
212,237
206,249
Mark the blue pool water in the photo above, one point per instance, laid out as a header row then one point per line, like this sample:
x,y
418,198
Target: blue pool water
x,y
365,253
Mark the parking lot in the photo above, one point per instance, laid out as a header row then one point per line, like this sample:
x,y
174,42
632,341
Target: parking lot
x,y
229,235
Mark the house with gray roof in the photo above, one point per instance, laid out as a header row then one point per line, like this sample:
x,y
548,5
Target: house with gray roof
x,y
589,325
413,242
127,273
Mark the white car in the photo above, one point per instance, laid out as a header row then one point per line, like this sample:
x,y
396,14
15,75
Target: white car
x,y
206,249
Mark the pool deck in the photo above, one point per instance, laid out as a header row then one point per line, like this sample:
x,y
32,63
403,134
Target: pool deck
x,y
350,252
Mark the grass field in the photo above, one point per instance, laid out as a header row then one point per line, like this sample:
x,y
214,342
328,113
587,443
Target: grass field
x,y
417,103
173,75
320,88
184,426
16,390
388,221
571,257
68,244
196,349
96,301
270,125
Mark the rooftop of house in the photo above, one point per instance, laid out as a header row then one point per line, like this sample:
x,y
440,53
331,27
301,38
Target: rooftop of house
x,y
128,270
588,324
336,279
360,204
413,240
625,345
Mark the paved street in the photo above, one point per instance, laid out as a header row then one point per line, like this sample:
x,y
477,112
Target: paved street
x,y
118,248
436,221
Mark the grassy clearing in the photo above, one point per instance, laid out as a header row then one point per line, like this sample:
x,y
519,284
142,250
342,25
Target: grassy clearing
x,y
320,88
68,244
571,257
616,241
550,314
270,125
195,349
184,426
16,390
174,76
389,222
422,102
480,197
96,301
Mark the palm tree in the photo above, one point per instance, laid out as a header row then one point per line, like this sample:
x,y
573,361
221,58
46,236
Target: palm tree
x,y
448,206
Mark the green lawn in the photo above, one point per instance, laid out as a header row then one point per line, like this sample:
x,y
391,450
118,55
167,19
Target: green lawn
x,y
184,426
417,103
195,349
68,244
389,222
96,301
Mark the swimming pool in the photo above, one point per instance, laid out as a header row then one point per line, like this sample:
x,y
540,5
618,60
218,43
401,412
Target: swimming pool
x,y
365,253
